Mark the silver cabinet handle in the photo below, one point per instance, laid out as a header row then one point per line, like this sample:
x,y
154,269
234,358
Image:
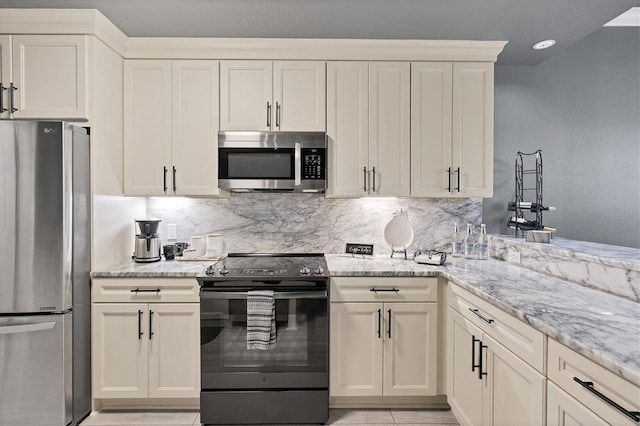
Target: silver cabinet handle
x,y
12,89
2,89
268,115
364,178
278,115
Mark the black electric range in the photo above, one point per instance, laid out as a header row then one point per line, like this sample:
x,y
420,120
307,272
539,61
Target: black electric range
x,y
289,381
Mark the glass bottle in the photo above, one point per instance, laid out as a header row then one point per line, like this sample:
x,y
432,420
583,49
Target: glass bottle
x,y
456,245
482,245
468,242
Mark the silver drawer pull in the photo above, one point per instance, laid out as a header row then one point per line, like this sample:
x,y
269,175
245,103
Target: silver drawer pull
x,y
382,290
635,415
477,312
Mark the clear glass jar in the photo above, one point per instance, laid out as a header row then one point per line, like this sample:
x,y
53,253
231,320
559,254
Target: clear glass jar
x,y
469,243
482,246
456,244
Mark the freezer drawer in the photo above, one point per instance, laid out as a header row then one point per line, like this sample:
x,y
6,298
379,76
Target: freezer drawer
x,y
35,370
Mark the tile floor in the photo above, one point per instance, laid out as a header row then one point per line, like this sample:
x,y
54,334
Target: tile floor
x,y
379,417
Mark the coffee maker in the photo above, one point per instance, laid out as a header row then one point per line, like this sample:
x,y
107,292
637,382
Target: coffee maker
x,y
147,243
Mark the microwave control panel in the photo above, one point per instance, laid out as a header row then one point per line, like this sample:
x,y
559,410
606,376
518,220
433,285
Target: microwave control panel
x,y
314,163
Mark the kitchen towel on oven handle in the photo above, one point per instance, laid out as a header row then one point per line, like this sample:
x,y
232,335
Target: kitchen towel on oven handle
x,y
261,320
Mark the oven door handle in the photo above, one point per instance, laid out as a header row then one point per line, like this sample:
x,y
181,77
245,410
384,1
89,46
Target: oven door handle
x,y
276,295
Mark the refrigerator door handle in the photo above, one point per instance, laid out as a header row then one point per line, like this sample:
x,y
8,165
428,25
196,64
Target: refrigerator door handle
x,y
26,328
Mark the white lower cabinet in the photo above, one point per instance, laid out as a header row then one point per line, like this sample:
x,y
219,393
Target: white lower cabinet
x,y
145,350
563,410
487,383
382,348
581,392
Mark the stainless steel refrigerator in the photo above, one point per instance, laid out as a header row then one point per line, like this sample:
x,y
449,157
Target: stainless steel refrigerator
x,y
45,256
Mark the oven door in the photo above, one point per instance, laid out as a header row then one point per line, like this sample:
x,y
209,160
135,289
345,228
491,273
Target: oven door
x,y
299,359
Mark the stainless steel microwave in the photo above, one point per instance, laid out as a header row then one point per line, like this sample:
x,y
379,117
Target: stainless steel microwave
x,y
272,161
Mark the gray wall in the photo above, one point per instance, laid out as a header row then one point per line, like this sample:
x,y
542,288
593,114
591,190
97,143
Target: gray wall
x,y
582,108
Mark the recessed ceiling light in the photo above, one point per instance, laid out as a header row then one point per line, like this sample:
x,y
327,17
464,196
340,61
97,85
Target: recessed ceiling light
x,y
544,44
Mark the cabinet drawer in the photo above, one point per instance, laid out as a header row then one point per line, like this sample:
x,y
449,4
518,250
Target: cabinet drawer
x,y
565,364
154,290
520,338
387,289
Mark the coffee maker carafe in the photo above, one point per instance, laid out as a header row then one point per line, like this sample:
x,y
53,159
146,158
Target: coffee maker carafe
x,y
147,244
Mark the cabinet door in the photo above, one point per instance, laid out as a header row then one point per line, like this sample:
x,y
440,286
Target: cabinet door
x,y
464,392
514,393
410,349
5,74
174,350
356,349
195,124
147,127
299,95
246,95
50,74
347,128
563,410
431,89
120,350
389,128
473,128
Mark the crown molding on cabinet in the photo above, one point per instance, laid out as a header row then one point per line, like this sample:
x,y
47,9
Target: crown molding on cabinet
x,y
92,22
63,21
313,49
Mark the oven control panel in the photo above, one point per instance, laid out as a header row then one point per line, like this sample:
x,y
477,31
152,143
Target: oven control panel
x,y
314,163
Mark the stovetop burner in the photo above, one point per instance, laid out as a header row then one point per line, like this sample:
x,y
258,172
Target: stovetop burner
x,y
265,265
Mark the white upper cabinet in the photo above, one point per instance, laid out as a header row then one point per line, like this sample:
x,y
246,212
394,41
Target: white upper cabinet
x,y
389,121
195,124
452,129
44,76
347,128
279,96
147,127
171,127
5,74
431,98
473,128
245,96
368,127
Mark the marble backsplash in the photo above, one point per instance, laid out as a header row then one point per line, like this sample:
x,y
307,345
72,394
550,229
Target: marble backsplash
x,y
310,222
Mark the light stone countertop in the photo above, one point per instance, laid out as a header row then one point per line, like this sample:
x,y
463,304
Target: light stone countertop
x,y
601,326
161,269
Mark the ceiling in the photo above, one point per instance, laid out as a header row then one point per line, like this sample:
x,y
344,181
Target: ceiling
x,y
520,22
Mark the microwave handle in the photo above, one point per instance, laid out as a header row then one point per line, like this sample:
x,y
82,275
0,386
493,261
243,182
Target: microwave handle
x,y
298,163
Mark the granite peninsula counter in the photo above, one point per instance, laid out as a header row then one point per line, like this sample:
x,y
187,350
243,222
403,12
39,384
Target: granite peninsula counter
x,y
601,326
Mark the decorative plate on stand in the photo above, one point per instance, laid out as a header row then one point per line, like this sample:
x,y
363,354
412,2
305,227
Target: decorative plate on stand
x,y
399,233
